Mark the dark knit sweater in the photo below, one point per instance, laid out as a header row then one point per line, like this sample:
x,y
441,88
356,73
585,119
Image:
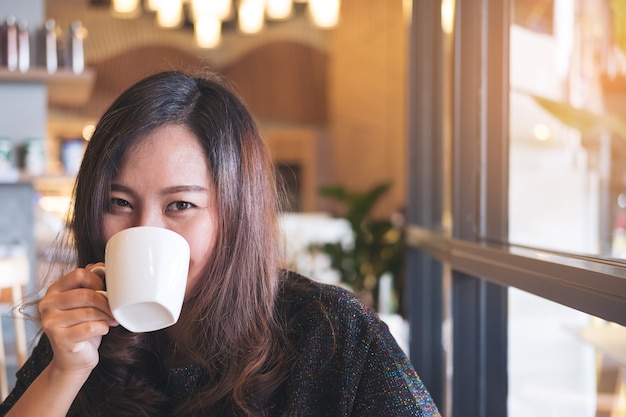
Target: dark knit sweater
x,y
348,363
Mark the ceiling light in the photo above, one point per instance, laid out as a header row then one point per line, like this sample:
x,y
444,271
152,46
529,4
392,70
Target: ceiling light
x,y
279,9
126,9
152,5
208,31
170,13
251,16
220,9
325,13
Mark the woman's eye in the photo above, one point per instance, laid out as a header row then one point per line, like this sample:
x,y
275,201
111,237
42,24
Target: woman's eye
x,y
180,205
119,202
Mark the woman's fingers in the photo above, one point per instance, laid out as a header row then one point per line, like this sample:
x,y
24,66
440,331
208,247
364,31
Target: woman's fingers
x,y
69,308
75,290
72,339
78,278
74,298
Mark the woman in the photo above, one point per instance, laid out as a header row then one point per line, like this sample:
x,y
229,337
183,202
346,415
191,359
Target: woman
x,y
183,153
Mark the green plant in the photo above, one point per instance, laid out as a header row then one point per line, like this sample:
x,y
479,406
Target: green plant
x,y
378,244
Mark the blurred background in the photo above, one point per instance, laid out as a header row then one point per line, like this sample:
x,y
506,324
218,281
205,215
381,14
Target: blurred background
x,y
376,112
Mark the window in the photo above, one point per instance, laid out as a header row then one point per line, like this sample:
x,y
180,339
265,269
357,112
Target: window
x,y
515,206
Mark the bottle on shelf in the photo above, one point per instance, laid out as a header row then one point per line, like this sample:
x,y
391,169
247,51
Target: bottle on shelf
x,y
47,42
23,46
10,58
75,47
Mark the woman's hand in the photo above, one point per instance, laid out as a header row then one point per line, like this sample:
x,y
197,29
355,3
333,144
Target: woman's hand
x,y
75,317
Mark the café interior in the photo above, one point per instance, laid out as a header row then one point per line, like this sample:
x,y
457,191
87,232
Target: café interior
x,y
487,136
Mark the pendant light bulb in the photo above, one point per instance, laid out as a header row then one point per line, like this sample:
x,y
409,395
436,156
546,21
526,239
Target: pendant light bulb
x,y
251,16
170,13
207,31
279,9
220,9
325,13
125,9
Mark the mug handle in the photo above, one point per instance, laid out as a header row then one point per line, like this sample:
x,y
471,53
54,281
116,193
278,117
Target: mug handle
x,y
101,272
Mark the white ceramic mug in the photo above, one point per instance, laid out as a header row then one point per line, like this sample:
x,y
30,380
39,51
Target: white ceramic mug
x,y
146,276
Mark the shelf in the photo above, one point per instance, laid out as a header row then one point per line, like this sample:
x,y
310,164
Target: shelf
x,y
65,88
54,184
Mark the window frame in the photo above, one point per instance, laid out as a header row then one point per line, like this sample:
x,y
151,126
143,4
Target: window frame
x,y
459,273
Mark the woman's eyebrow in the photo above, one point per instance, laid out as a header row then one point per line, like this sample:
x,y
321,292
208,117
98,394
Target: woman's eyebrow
x,y
184,188
168,190
122,188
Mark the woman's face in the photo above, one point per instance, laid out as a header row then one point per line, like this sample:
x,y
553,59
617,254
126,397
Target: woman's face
x,y
165,182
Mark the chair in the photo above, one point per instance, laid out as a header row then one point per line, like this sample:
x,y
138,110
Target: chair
x,y
14,275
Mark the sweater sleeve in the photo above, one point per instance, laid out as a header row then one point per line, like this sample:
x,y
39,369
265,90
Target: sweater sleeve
x,y
38,360
388,383
349,364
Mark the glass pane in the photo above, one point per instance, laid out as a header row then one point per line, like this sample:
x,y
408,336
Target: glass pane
x,y
568,125
567,193
563,362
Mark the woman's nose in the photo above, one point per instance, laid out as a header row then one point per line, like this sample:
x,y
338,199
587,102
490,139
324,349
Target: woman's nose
x,y
149,217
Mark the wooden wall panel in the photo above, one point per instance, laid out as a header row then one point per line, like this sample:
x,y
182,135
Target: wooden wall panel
x,y
367,98
283,81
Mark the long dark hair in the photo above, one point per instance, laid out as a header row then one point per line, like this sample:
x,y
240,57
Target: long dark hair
x,y
234,332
